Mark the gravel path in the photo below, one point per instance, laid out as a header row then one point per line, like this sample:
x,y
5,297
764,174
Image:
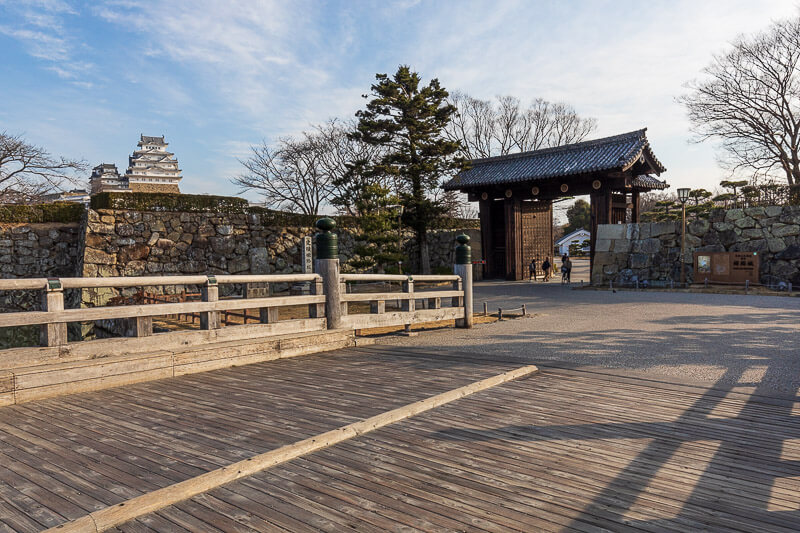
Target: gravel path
x,y
730,340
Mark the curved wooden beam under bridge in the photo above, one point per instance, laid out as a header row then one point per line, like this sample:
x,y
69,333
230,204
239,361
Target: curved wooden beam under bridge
x,y
516,193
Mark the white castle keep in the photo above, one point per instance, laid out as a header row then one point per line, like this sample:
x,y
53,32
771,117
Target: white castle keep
x,y
150,169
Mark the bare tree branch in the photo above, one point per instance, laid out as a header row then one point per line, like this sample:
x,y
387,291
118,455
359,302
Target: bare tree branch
x,y
485,128
749,101
28,172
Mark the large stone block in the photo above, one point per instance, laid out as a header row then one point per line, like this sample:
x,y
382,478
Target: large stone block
x,y
773,210
699,227
734,214
639,260
784,230
98,257
745,222
611,231
753,233
791,253
602,245
259,261
661,228
756,212
647,246
621,246
239,264
776,245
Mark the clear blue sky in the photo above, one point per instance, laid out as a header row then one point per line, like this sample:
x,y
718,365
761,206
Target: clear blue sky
x,y
85,79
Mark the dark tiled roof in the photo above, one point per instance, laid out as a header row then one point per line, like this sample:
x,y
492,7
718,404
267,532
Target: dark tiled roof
x,y
146,139
649,182
608,154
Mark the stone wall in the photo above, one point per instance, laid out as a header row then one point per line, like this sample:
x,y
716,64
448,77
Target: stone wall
x,y
136,243
651,251
34,251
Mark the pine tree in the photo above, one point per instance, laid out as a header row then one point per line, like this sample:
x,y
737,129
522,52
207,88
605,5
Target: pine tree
x,y
379,247
409,122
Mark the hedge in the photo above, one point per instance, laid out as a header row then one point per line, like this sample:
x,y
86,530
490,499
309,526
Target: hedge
x,y
55,212
188,203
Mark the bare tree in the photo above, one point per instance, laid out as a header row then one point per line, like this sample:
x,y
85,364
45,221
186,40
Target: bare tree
x,y
28,172
749,100
344,159
504,126
290,176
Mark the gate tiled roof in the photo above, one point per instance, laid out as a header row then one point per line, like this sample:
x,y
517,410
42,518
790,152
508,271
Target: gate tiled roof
x,y
615,153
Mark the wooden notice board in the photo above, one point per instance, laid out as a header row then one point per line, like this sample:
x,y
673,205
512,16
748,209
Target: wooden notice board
x,y
726,267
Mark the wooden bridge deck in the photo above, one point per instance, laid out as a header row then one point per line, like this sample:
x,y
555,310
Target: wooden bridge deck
x,y
561,450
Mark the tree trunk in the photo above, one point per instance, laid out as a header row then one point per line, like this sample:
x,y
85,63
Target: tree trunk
x,y
424,253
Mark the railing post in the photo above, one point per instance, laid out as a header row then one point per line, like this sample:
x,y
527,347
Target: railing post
x,y
53,300
210,293
139,326
463,268
408,305
327,266
316,310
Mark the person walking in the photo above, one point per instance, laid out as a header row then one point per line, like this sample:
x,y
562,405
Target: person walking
x,y
532,269
546,269
567,269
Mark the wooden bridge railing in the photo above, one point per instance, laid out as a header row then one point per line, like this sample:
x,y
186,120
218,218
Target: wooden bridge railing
x,y
327,303
414,306
54,318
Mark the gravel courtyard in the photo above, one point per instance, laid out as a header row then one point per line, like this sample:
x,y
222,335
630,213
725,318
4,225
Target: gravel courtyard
x,y
743,342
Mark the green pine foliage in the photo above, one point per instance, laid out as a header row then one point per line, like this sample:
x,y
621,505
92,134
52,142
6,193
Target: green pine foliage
x,y
408,121
378,231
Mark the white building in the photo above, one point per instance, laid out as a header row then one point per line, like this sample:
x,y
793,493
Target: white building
x,y
580,237
151,168
105,178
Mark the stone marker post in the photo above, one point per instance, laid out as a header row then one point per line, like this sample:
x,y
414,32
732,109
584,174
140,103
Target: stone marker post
x,y
463,268
53,300
327,266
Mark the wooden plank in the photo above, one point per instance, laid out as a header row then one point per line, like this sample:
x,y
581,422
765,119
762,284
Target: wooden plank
x,y
127,311
150,502
369,297
398,318
23,284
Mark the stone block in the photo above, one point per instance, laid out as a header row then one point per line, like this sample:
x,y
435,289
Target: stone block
x,y
661,228
621,246
602,245
225,229
734,214
727,238
239,264
610,270
133,253
756,212
632,231
134,268
103,229
157,225
610,231
752,233
125,230
745,222
723,226
640,260
644,230
98,257
773,210
108,219
693,241
776,245
791,253
699,227
647,246
259,260
784,230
